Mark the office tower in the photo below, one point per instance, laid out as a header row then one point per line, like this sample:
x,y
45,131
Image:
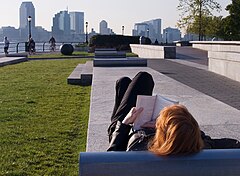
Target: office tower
x,y
171,34
26,9
151,29
155,29
61,26
140,29
77,22
103,27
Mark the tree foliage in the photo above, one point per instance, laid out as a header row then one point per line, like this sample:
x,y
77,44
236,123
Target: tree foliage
x,y
119,42
210,26
230,27
194,12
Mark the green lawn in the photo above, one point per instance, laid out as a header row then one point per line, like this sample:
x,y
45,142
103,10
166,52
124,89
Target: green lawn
x,y
59,55
75,54
43,120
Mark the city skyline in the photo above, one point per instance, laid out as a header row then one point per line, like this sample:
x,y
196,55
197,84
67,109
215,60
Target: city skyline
x,y
125,13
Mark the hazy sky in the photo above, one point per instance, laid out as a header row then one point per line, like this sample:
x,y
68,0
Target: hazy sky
x,y
117,13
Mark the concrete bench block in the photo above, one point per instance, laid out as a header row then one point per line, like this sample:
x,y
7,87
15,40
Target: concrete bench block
x,y
75,77
227,46
154,51
87,74
124,62
225,63
208,162
82,74
12,60
109,53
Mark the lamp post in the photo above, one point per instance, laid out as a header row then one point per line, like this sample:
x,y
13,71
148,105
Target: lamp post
x,y
29,26
122,30
166,37
86,32
147,32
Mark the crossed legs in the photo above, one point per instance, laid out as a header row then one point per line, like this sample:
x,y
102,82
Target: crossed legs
x,y
126,96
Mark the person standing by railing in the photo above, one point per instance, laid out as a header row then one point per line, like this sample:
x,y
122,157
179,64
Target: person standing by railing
x,y
31,46
6,45
52,42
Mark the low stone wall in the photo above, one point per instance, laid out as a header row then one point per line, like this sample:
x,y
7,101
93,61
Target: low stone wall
x,y
225,63
230,46
154,51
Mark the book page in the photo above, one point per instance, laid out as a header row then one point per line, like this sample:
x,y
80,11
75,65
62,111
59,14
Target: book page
x,y
160,103
147,102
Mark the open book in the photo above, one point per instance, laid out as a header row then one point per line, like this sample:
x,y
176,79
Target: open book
x,y
152,105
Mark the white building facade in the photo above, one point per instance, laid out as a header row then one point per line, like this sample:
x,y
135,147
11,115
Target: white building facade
x,y
77,22
171,34
150,29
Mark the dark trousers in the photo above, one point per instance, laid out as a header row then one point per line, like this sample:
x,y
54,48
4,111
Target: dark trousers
x,y
126,96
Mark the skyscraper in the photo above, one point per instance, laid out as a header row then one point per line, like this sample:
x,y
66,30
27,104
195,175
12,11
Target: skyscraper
x,y
103,28
77,22
26,9
61,25
151,29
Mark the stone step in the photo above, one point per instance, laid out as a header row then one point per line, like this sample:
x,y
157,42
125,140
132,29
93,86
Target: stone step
x,y
109,53
12,60
123,62
81,75
87,73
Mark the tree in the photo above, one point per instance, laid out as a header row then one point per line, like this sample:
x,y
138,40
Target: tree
x,y
230,28
193,12
210,26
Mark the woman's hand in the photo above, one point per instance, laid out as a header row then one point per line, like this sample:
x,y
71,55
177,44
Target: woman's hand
x,y
151,124
132,115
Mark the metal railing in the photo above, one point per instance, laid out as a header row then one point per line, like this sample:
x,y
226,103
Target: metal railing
x,y
20,47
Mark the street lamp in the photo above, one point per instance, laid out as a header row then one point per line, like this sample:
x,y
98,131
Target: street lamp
x,y
29,26
166,37
122,30
86,32
147,32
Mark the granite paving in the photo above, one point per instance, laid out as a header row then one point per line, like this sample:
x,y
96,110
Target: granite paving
x,y
212,99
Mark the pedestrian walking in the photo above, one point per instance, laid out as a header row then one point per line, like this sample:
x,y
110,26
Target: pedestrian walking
x,y
6,45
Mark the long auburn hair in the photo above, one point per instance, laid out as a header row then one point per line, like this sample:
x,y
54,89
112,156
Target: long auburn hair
x,y
177,132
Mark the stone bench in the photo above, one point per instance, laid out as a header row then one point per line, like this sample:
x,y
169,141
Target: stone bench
x,y
154,51
207,162
225,63
82,74
109,53
12,60
120,62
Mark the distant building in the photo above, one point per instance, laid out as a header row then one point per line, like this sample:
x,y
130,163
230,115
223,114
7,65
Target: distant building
x,y
77,22
42,35
140,29
190,37
155,29
151,29
26,9
61,26
11,32
103,28
171,34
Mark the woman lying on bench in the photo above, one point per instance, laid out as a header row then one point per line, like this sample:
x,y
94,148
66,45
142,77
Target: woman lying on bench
x,y
174,132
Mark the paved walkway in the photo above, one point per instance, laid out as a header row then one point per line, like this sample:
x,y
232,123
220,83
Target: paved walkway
x,y
209,83
212,99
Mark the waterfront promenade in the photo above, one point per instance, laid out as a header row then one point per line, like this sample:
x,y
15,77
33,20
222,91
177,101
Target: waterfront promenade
x,y
214,100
